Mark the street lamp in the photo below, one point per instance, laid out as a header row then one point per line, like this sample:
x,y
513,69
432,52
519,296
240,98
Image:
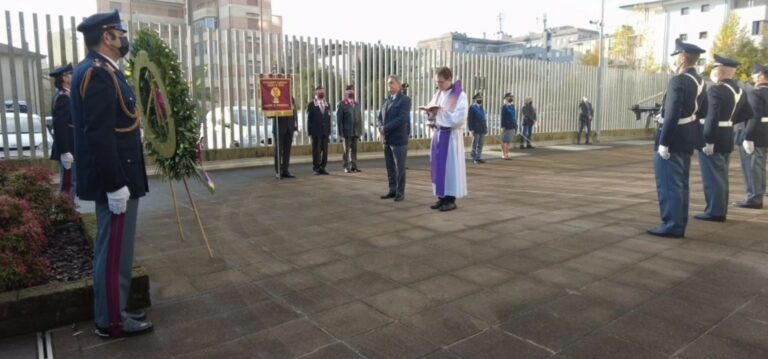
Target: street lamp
x,y
600,72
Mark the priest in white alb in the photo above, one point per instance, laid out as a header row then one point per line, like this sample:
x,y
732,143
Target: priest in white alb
x,y
448,114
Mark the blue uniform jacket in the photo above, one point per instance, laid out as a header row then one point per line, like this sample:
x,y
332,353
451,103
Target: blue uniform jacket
x,y
680,103
108,144
508,117
721,106
477,121
63,131
756,130
395,117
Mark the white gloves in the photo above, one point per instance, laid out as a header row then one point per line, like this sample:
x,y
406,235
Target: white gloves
x,y
66,160
663,152
749,147
118,200
708,149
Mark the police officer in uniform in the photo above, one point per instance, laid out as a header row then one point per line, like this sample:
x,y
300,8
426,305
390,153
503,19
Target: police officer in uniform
x,y
63,136
283,134
753,141
477,123
319,128
728,105
684,105
110,167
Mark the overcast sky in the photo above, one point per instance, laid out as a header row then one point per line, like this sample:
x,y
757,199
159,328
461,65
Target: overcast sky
x,y
396,22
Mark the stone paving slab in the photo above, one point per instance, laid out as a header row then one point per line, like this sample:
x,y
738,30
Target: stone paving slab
x,y
547,257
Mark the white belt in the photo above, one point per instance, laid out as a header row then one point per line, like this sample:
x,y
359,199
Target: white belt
x,y
682,121
765,119
687,120
725,124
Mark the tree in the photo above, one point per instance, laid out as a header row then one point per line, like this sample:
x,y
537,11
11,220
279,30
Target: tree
x,y
592,57
733,42
625,44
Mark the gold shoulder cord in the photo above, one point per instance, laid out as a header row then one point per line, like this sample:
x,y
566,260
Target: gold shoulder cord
x,y
136,115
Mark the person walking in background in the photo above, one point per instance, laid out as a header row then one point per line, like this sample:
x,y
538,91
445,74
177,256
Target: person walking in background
x,y
586,114
319,128
349,118
529,120
394,126
63,130
508,124
478,127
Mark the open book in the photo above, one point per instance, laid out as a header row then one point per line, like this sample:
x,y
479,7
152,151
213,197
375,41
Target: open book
x,y
430,107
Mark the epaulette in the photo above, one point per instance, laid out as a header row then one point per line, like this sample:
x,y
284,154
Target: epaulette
x,y
136,114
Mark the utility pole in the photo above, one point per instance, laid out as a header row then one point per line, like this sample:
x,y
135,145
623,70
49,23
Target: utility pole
x,y
500,17
600,73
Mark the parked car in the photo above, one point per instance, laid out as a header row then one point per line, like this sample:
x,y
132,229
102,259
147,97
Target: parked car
x,y
36,132
230,123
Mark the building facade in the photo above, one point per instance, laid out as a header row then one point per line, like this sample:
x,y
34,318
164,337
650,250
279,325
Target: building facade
x,y
695,21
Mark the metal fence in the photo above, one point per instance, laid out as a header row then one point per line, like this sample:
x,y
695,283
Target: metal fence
x,y
222,67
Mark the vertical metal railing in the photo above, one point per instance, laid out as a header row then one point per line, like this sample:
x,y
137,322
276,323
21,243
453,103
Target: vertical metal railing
x,y
223,65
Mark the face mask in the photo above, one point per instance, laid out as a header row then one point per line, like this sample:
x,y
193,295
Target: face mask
x,y
321,95
479,102
125,46
351,95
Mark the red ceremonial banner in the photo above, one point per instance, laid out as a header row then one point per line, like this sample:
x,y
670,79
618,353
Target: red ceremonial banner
x,y
275,96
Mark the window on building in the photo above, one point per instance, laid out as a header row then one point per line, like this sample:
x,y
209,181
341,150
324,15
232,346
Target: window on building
x,y
703,35
684,37
705,8
756,28
685,11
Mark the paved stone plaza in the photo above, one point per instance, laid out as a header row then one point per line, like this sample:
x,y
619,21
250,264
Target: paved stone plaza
x,y
547,257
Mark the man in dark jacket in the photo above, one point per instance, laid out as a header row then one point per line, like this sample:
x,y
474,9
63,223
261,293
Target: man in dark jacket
x,y
319,127
349,118
63,130
728,105
283,134
478,127
754,142
394,124
110,168
529,120
508,124
585,119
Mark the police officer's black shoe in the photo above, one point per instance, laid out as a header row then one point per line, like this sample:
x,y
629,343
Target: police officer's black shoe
x,y
480,161
323,172
288,175
356,170
658,233
437,204
704,217
745,204
530,146
388,196
399,198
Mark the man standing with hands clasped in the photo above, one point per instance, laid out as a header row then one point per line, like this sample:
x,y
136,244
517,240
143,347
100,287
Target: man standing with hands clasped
x,y
394,127
478,127
110,169
683,106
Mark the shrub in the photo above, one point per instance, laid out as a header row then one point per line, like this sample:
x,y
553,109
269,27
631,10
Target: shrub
x,y
22,241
